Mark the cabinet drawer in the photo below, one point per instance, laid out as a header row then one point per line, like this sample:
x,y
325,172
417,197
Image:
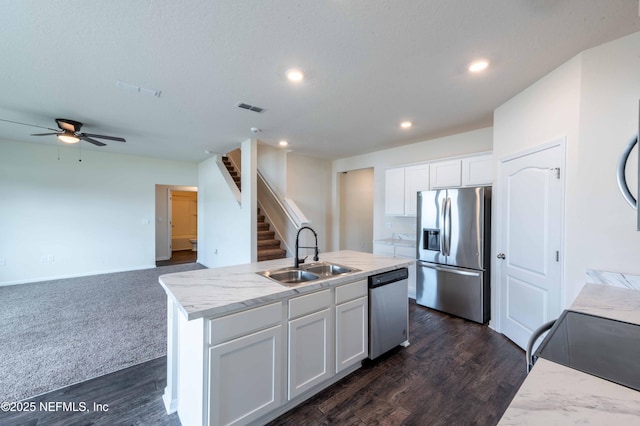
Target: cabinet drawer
x,y
243,323
347,292
309,303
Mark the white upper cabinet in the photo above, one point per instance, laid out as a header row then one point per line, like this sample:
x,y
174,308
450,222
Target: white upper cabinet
x,y
446,174
416,178
477,171
401,186
394,192
402,183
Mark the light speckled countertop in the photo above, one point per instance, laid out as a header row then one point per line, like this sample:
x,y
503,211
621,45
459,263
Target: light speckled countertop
x,y
211,292
398,240
553,394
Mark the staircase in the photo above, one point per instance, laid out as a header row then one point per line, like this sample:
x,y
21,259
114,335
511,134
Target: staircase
x,y
268,246
232,171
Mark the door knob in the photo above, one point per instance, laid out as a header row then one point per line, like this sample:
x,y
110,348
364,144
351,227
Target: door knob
x,y
501,256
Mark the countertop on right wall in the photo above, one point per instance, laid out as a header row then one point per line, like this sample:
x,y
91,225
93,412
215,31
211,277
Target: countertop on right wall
x,y
555,394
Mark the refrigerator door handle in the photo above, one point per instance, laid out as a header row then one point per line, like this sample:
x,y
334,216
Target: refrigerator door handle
x,y
447,227
450,270
443,240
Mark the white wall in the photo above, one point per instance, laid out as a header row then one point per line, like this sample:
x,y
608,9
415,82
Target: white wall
x,y
272,163
605,235
309,185
461,144
592,100
83,218
226,228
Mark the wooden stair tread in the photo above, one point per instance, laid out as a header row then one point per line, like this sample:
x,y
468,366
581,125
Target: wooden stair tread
x,y
266,235
270,254
268,244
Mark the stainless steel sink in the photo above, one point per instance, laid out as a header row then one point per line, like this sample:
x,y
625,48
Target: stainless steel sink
x,y
310,272
328,269
289,276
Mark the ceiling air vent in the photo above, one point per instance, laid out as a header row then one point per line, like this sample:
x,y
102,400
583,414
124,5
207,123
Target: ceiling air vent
x,y
250,107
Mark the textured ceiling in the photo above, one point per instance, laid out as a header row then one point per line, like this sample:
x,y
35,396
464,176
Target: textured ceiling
x,y
368,63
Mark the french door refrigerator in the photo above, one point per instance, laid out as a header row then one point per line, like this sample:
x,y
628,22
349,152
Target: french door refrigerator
x,y
453,248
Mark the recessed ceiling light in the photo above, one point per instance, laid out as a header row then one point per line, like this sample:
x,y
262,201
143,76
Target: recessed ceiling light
x,y
283,143
406,124
478,66
295,75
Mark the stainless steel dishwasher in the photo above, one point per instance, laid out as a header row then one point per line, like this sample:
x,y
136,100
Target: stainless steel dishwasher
x,y
388,311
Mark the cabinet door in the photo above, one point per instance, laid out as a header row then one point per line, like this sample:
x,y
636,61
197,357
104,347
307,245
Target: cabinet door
x,y
352,333
245,377
310,349
394,192
416,178
477,171
445,174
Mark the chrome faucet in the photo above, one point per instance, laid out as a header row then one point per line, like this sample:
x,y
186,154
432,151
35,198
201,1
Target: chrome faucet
x,y
297,261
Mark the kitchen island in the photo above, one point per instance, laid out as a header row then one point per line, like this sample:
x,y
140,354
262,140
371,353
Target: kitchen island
x,y
242,348
555,394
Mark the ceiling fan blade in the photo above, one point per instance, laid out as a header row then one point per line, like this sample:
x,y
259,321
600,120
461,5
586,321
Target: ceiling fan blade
x,y
111,138
93,141
25,124
44,134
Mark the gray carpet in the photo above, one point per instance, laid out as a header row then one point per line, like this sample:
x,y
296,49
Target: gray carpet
x,y
61,332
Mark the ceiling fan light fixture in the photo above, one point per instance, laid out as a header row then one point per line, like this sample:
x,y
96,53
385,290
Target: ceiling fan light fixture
x,y
68,137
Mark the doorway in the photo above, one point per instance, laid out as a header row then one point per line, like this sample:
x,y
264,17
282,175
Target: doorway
x,y
529,237
356,210
176,224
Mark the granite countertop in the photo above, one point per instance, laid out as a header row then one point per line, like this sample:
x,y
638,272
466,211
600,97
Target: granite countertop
x,y
216,291
555,394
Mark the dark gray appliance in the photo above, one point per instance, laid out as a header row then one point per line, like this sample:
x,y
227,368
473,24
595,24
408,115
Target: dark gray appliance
x,y
599,346
453,248
388,311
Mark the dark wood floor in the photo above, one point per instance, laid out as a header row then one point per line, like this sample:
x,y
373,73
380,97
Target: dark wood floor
x,y
454,373
179,256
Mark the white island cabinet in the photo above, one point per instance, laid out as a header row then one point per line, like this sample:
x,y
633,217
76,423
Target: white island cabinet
x,y
310,341
245,365
352,328
243,349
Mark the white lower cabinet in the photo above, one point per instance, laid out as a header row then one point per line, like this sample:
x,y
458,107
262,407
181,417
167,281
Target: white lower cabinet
x,y
352,333
310,349
245,377
258,360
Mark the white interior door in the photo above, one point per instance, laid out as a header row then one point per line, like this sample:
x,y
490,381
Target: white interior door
x,y
529,241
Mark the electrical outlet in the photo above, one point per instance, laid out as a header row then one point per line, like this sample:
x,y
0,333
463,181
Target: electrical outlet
x,y
51,258
3,262
389,225
43,259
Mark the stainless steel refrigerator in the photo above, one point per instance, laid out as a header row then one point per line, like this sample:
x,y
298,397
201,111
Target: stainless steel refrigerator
x,y
453,248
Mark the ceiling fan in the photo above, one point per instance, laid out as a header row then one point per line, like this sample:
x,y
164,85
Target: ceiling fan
x,y
70,133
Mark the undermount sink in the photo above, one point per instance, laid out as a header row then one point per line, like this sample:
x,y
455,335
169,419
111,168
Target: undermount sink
x,y
328,269
313,271
289,276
